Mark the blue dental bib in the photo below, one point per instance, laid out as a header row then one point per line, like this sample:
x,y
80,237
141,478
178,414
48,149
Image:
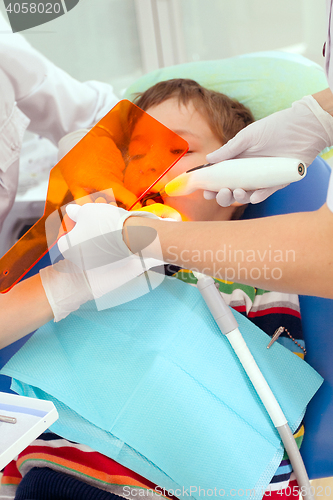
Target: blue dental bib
x,y
154,385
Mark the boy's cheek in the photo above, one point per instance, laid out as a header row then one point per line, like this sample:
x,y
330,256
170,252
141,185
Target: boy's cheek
x,y
190,207
185,164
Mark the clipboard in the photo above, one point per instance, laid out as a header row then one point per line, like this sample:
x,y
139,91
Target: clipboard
x,y
33,417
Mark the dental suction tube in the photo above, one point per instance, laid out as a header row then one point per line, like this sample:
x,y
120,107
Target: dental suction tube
x,y
246,173
228,325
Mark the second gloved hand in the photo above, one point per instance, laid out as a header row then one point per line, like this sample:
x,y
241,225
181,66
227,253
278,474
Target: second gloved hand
x,y
301,131
67,287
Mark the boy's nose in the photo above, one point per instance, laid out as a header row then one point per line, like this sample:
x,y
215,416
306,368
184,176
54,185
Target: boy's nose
x,y
148,169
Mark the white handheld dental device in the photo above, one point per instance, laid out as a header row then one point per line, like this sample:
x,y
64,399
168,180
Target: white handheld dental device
x,y
246,173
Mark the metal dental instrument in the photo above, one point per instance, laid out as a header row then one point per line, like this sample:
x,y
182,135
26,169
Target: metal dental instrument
x,y
8,420
276,336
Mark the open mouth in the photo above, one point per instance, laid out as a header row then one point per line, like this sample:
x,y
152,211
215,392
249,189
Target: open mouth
x,y
151,198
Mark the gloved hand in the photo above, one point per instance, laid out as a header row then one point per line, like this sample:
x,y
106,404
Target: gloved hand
x,y
301,131
98,259
67,287
96,239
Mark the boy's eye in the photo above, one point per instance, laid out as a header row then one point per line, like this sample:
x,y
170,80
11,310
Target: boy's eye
x,y
176,151
189,152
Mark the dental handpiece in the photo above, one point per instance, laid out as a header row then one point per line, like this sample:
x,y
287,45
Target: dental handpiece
x,y
246,173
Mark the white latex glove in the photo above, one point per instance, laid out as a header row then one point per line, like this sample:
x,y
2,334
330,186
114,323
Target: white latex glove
x,y
301,131
67,287
96,239
98,261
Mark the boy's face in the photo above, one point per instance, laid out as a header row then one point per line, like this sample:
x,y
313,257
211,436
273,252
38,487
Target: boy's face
x,y
187,122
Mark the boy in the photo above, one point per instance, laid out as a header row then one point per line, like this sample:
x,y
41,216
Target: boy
x,y
206,120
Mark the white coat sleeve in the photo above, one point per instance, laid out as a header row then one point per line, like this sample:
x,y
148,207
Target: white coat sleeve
x,y
12,127
55,103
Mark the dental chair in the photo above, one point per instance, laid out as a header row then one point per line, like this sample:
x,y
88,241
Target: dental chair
x,y
317,323
307,195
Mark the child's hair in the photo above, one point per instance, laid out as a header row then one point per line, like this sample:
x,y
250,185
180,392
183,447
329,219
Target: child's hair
x,y
225,116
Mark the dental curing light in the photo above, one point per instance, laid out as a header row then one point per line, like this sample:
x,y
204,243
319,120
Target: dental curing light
x,y
229,327
245,173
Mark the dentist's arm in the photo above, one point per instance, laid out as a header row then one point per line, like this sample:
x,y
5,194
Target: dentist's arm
x,y
55,102
288,253
303,242
62,288
22,310
55,292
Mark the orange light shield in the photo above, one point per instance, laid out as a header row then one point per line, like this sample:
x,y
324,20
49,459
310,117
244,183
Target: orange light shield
x,y
121,158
